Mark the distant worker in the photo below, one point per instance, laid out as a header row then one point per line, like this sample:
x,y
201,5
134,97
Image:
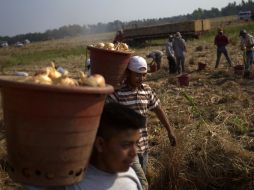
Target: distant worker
x,y
247,43
156,59
118,37
88,66
221,41
171,55
179,47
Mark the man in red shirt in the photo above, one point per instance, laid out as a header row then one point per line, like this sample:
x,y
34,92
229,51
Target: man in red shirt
x,y
221,41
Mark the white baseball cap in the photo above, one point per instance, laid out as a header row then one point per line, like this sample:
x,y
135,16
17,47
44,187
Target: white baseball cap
x,y
138,64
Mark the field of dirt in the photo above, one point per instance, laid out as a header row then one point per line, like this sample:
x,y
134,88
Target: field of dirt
x,y
213,117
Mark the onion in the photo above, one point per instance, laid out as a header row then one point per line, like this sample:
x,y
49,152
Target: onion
x,y
109,46
52,72
100,80
93,80
42,79
100,45
66,81
124,46
90,81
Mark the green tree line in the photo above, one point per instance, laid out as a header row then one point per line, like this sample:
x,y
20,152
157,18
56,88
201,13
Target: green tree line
x,y
75,30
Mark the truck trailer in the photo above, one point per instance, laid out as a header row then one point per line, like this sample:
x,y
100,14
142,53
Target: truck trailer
x,y
188,29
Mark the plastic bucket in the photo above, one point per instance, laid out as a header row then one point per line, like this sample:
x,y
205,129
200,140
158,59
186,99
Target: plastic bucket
x,y
153,68
50,130
183,80
201,66
239,70
111,64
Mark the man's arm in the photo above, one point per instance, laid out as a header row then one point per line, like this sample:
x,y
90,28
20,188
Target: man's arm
x,y
184,45
163,119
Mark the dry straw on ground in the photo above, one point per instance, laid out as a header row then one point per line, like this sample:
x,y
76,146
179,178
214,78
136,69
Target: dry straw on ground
x,y
212,119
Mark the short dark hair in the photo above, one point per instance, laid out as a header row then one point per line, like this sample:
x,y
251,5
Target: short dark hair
x,y
117,117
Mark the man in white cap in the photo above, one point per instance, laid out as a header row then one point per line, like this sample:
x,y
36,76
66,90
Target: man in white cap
x,y
140,97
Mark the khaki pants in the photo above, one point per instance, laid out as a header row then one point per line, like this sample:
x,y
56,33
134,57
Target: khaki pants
x,y
140,173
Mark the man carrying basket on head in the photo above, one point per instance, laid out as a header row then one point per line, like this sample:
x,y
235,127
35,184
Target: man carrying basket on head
x,y
140,97
113,153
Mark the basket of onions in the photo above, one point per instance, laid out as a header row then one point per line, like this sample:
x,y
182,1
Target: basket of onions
x,y
110,60
51,122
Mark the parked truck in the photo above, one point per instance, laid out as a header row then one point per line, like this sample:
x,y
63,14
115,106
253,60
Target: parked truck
x,y
188,29
245,15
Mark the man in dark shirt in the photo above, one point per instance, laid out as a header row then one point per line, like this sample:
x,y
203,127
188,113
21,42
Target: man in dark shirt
x,y
119,37
221,41
156,56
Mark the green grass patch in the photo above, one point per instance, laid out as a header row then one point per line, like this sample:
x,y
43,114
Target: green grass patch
x,y
231,31
237,125
26,58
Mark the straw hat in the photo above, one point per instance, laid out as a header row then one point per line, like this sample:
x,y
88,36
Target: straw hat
x,y
178,34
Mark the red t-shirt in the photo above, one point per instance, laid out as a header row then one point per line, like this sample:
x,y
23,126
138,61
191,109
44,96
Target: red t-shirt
x,y
221,40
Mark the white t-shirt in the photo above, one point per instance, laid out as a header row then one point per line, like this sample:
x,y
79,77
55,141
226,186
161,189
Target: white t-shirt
x,y
88,66
96,179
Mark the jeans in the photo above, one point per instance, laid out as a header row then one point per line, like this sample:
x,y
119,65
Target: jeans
x,y
223,50
180,64
249,59
139,166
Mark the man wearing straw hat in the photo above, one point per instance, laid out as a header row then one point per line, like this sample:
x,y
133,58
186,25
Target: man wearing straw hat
x,y
113,153
179,47
140,97
247,44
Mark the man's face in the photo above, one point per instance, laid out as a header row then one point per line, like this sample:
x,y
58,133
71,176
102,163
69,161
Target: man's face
x,y
117,153
136,79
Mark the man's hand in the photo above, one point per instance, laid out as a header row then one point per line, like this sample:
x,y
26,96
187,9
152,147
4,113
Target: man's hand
x,y
172,139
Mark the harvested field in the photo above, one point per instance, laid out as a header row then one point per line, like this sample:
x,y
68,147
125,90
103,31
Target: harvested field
x,y
213,116
223,21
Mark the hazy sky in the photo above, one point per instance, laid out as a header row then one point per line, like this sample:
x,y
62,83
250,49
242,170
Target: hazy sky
x,y
23,16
